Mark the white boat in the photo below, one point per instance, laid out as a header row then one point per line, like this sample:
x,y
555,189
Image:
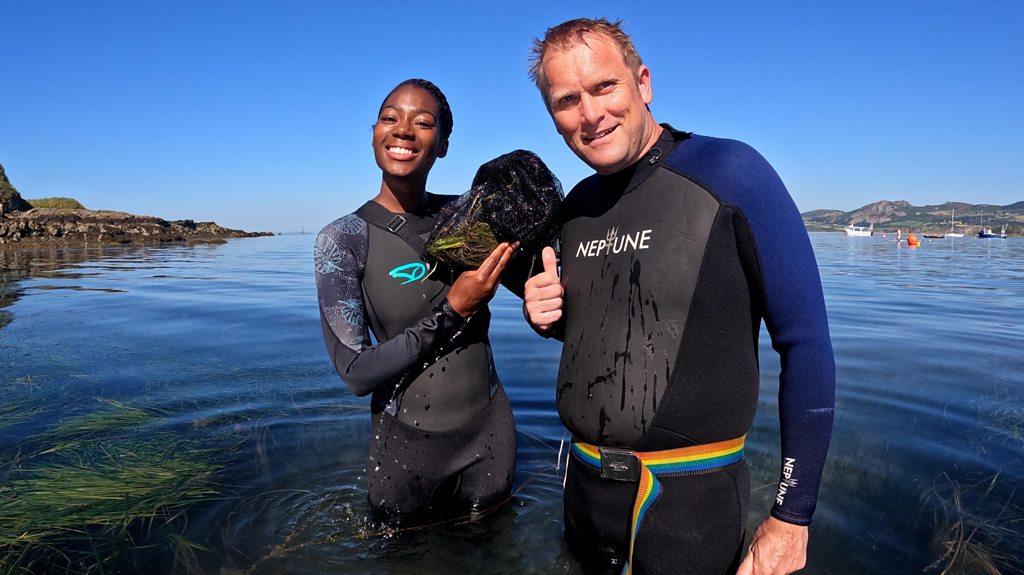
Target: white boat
x,y
860,230
987,233
952,231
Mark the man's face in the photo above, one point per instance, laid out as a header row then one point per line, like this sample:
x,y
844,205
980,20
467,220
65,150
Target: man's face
x,y
598,106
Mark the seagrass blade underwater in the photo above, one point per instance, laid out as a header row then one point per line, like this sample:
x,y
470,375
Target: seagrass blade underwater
x,y
95,493
514,197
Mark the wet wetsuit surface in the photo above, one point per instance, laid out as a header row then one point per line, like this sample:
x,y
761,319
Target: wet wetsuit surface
x,y
441,424
669,267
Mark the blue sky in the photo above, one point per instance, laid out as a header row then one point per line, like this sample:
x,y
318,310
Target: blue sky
x,y
258,115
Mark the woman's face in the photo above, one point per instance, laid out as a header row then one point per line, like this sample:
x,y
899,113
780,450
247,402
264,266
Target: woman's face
x,y
407,136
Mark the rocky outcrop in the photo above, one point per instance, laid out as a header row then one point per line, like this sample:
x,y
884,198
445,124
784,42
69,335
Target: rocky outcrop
x,y
63,227
21,224
10,200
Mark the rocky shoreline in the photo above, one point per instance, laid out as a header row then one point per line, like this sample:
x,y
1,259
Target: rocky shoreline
x,y
54,227
23,225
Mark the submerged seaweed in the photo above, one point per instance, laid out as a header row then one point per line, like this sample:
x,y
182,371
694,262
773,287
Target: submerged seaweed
x,y
971,542
91,492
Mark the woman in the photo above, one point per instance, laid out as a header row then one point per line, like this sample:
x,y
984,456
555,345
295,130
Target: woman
x,y
442,429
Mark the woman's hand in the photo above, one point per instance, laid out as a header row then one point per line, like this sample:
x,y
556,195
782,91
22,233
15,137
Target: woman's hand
x,y
475,288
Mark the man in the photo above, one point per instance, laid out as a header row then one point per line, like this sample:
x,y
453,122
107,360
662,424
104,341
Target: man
x,y
671,255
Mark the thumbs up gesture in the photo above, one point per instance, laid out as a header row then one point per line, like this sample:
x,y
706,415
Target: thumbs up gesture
x,y
542,299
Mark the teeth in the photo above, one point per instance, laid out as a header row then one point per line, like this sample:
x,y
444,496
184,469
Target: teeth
x,y
597,135
401,151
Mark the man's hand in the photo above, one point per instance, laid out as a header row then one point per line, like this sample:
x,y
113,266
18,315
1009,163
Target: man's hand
x,y
542,299
475,288
778,548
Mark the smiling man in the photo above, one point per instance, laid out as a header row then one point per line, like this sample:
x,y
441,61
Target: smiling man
x,y
672,255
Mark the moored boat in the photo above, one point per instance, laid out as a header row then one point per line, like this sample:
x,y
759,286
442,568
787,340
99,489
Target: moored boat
x,y
852,230
987,233
952,233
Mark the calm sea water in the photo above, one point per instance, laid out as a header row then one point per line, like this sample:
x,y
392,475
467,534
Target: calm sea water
x,y
926,464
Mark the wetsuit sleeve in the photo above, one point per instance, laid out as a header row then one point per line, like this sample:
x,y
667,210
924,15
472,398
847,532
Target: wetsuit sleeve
x,y
339,260
794,313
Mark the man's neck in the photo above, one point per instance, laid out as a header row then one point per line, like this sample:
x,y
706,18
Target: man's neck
x,y
656,132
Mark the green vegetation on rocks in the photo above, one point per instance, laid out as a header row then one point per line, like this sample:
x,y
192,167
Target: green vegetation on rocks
x,y
63,203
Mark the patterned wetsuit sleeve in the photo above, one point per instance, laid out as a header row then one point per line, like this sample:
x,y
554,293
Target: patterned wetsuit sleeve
x,y
796,320
339,260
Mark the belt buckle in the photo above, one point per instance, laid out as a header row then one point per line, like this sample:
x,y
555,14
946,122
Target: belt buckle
x,y
619,464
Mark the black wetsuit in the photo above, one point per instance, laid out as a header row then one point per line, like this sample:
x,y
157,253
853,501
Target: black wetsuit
x,y
442,428
669,267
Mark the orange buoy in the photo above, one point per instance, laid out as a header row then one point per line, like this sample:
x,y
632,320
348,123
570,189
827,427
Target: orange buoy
x,y
912,240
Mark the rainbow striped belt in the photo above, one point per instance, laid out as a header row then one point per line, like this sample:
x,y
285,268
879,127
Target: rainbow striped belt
x,y
621,464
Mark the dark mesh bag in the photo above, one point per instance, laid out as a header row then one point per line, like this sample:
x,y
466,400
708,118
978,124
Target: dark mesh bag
x,y
514,197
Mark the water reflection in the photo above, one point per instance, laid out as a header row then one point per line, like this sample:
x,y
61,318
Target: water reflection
x,y
221,345
21,264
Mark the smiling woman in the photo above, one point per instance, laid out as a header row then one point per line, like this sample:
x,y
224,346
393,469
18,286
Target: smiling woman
x,y
442,428
411,132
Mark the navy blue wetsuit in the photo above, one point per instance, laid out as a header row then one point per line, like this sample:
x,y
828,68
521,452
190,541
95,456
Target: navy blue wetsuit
x,y
669,267
442,429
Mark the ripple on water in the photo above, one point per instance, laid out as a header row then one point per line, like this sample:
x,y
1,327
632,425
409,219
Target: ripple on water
x,y
226,341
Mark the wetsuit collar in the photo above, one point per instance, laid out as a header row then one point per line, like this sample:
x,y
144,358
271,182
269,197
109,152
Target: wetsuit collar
x,y
411,227
630,177
422,219
677,135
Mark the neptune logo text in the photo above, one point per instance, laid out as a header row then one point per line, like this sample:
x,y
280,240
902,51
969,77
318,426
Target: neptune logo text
x,y
613,243
409,272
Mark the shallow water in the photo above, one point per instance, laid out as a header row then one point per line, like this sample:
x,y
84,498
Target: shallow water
x,y
225,340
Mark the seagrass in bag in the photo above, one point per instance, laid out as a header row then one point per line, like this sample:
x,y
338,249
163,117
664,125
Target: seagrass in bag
x,y
514,197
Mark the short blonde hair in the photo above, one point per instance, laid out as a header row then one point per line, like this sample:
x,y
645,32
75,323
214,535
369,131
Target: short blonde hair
x,y
570,33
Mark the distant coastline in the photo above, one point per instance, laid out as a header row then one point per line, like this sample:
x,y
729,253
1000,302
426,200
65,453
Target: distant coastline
x,y
888,215
64,222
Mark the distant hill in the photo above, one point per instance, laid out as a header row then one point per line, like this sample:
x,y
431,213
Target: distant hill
x,y
887,215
